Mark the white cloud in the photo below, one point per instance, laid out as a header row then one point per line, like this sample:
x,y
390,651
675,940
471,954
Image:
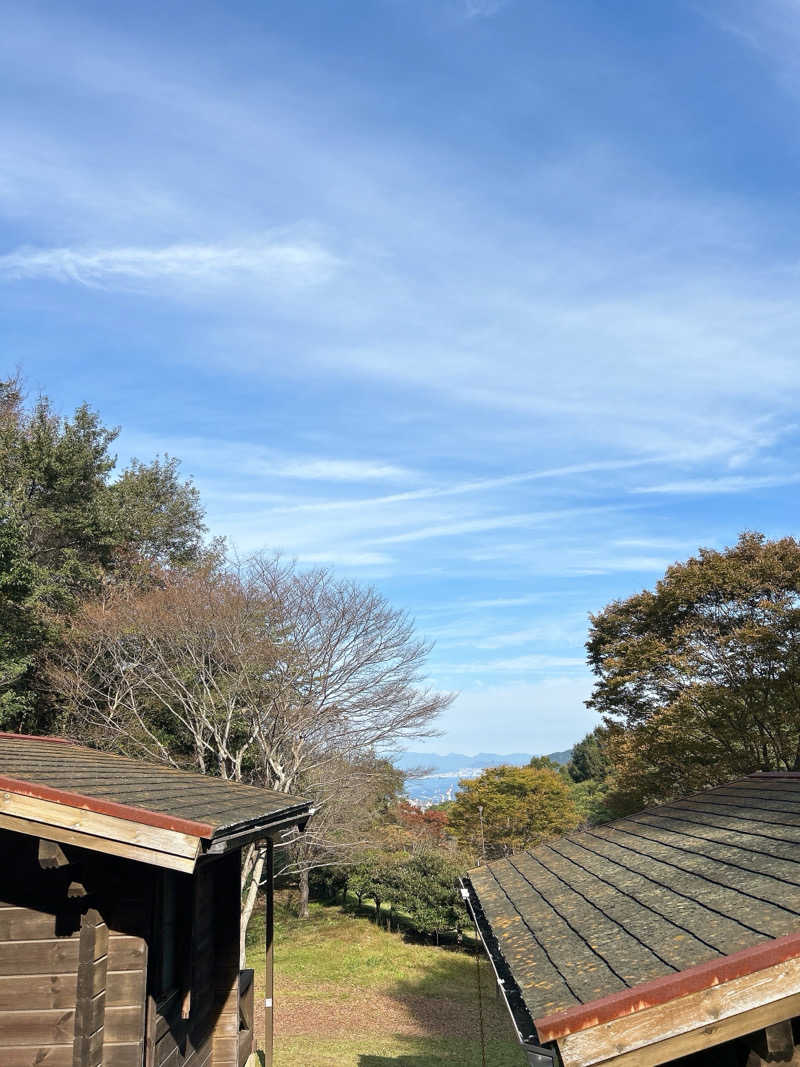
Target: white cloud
x,y
728,484
476,487
252,458
666,543
525,664
490,523
482,9
508,601
345,559
272,261
338,470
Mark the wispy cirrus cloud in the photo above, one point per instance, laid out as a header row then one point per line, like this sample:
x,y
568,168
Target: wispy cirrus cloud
x,y
534,280
339,470
723,485
277,261
485,524
532,662
335,558
474,487
482,9
257,460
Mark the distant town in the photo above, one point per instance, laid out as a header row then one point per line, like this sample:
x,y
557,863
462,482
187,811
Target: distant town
x,y
440,774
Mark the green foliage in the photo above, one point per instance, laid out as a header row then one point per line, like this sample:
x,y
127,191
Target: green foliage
x,y
21,629
423,886
359,880
81,527
69,530
699,679
546,763
591,801
589,758
521,806
53,475
430,892
157,517
326,883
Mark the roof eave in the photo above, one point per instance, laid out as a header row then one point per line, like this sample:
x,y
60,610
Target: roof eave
x,y
524,1024
669,987
70,799
226,838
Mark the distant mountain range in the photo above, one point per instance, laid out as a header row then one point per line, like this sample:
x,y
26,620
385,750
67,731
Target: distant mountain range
x,y
443,771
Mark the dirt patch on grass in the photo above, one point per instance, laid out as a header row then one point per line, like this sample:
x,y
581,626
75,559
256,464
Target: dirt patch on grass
x,y
353,1015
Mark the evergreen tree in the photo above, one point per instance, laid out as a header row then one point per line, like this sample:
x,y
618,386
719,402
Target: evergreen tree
x,y
68,529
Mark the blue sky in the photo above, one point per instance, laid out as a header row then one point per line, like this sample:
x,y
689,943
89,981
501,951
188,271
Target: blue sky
x,y
492,304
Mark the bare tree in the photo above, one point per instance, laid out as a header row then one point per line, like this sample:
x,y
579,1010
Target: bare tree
x,y
177,674
289,679
347,684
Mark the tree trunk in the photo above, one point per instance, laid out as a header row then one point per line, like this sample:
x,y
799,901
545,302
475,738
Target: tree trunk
x,y
302,907
249,902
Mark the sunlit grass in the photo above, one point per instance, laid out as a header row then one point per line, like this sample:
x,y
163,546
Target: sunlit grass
x,y
339,956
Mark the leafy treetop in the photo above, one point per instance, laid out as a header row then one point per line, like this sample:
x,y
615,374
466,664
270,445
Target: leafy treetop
x,y
521,806
68,529
698,680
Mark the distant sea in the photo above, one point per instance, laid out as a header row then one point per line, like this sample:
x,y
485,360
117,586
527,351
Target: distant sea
x,y
442,772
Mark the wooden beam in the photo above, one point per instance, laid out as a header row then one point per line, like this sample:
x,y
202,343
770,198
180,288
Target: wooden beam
x,y
99,844
689,1023
100,825
51,855
702,1037
774,1044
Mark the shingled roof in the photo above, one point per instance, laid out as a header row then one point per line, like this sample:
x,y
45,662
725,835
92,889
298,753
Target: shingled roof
x,y
599,925
51,785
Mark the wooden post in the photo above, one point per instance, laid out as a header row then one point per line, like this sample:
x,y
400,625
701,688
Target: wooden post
x,y
269,926
774,1044
87,1047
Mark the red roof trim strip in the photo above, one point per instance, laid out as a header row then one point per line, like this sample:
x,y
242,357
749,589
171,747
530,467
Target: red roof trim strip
x,y
670,987
38,737
106,807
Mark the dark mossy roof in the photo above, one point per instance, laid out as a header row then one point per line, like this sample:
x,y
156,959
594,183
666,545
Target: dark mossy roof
x,y
57,770
599,912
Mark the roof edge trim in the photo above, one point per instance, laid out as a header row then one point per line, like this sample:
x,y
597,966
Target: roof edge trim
x,y
38,737
669,987
105,807
524,1024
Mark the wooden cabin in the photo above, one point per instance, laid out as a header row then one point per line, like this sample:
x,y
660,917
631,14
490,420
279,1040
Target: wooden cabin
x,y
674,932
119,909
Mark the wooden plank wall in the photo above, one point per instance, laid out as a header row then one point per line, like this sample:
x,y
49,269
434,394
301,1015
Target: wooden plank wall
x,y
228,877
39,946
71,989
126,985
38,977
74,963
210,1036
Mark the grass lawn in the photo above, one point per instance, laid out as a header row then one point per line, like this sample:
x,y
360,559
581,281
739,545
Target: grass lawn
x,y
348,994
